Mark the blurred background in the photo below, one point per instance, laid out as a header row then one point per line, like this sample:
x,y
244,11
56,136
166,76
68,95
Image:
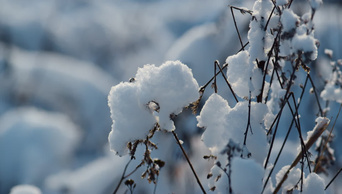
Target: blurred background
x,y
59,59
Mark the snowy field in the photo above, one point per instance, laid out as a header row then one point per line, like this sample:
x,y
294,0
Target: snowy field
x,y
59,60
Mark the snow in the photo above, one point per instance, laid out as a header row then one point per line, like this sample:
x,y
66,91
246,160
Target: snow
x,y
64,84
306,44
215,107
62,57
329,52
320,123
131,120
39,142
171,87
315,4
281,2
313,184
256,34
94,177
289,20
292,179
25,189
239,70
246,184
332,92
223,123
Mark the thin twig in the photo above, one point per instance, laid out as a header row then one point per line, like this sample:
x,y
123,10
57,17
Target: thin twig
x,y
122,177
332,180
189,162
248,119
317,99
226,80
223,67
237,29
215,86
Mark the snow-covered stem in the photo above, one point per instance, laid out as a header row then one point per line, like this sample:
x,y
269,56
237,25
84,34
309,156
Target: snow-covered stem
x,y
320,156
189,162
317,132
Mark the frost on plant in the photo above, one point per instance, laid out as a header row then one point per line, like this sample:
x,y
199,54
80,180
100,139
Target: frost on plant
x,y
151,97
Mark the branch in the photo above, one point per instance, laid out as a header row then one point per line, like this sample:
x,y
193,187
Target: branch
x,y
318,130
189,162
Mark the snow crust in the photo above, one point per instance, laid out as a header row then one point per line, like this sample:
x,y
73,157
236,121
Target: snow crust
x,y
170,87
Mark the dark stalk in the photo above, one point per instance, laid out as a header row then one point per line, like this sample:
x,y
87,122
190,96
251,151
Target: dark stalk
x,y
215,86
317,99
249,119
226,80
237,29
223,67
268,61
122,177
332,180
189,162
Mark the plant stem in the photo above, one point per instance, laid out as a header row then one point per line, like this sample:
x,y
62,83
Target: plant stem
x,y
189,162
318,130
122,177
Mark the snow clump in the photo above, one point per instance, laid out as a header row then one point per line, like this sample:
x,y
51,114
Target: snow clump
x,y
151,97
239,70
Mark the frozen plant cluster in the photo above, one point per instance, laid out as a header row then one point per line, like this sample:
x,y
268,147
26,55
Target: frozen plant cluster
x,y
333,89
152,96
240,135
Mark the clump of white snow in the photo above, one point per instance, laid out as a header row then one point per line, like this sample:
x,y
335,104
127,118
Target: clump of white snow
x,y
292,178
169,88
289,20
306,44
313,183
223,123
256,34
25,189
333,89
315,4
243,75
332,92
